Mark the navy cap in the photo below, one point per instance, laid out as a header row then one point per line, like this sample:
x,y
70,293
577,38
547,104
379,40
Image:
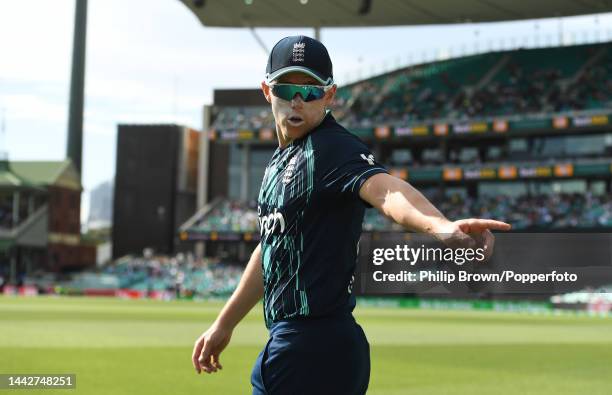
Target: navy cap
x,y
303,54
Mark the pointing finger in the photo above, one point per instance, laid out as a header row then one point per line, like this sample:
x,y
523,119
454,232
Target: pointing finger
x,y
479,225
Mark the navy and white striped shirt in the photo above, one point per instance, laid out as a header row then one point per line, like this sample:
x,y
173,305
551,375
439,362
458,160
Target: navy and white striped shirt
x,y
310,217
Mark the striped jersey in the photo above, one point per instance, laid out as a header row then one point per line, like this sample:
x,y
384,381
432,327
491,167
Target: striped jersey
x,y
310,218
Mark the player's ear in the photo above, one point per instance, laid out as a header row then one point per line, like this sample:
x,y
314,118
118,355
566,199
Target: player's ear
x,y
266,91
329,96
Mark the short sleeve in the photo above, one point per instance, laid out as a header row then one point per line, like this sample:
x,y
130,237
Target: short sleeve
x,y
345,163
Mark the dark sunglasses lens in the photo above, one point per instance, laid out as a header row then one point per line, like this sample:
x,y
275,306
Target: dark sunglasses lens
x,y
314,94
288,92
285,92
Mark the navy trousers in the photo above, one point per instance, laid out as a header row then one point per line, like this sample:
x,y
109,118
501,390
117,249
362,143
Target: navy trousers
x,y
328,355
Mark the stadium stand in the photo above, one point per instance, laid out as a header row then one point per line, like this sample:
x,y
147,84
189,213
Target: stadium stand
x,y
229,216
230,117
523,82
521,136
526,81
537,212
180,275
524,212
486,85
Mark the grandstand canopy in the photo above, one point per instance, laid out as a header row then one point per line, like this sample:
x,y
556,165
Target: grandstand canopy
x,y
45,173
346,13
11,180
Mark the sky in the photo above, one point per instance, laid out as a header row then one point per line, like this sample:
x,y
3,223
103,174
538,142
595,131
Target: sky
x,y
151,61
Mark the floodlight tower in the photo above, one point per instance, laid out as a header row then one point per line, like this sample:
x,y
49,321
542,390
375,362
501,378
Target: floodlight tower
x,y
74,146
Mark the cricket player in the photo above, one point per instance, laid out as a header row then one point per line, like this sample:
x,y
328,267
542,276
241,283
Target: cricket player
x,y
311,205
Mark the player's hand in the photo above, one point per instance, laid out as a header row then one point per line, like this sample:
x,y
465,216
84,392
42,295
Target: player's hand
x,y
208,347
471,233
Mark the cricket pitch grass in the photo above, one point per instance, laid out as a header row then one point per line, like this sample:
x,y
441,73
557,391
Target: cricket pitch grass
x,y
144,347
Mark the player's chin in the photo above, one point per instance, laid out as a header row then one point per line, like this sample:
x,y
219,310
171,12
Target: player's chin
x,y
297,131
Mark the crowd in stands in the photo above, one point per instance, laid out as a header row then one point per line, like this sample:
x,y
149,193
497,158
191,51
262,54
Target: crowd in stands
x,y
412,94
504,83
178,276
521,92
591,89
537,212
545,211
230,216
238,118
567,81
181,275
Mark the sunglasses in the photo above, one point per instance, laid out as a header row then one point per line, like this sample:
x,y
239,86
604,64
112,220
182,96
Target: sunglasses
x,y
308,92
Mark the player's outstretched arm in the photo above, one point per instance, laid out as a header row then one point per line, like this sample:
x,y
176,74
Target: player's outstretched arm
x,y
406,206
211,343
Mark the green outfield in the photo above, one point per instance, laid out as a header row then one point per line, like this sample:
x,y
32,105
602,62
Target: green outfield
x,y
144,347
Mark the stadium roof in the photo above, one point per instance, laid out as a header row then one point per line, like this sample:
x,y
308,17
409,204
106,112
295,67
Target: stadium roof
x,y
346,13
9,179
44,173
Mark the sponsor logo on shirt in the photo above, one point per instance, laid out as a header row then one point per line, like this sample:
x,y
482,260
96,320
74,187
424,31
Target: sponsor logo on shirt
x,y
268,224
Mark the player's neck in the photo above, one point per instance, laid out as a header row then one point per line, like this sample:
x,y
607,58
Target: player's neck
x,y
283,140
